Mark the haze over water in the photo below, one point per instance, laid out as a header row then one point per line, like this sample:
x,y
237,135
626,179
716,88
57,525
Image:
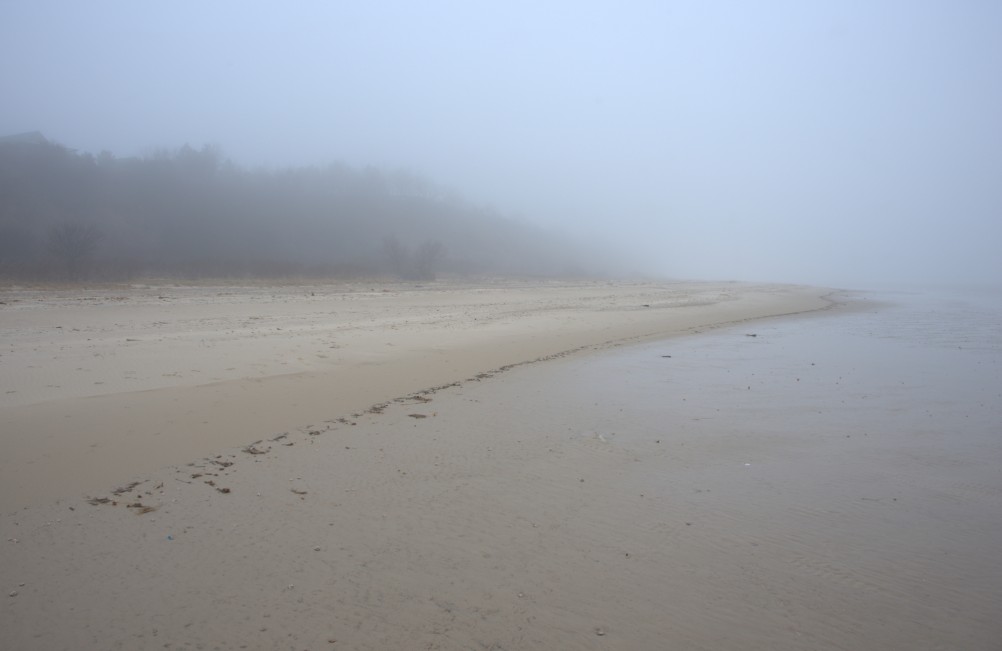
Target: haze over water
x,y
848,462
930,359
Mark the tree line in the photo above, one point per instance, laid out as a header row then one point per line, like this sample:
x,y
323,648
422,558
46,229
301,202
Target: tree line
x,y
191,212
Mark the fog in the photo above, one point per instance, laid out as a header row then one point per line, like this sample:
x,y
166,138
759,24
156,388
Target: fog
x,y
831,142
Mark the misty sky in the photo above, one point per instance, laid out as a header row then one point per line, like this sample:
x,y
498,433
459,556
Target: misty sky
x,y
835,142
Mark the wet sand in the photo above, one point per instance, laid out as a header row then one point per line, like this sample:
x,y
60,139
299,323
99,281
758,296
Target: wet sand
x,y
817,485
102,384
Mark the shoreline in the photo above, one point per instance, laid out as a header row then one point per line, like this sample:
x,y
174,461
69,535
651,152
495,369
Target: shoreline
x,y
825,481
391,343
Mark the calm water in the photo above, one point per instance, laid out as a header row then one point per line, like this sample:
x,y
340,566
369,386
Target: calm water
x,y
846,466
931,361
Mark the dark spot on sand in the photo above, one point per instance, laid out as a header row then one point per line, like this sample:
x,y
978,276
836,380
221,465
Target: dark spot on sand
x,y
126,488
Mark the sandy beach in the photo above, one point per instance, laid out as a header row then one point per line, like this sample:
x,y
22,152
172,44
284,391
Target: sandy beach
x,y
381,467
105,384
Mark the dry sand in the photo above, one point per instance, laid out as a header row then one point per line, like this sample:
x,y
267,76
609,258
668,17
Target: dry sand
x,y
549,506
100,385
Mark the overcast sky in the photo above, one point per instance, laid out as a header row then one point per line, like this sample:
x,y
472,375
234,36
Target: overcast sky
x,y
818,141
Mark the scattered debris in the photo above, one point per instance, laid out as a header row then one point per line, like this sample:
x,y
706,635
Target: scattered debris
x,y
298,492
98,500
252,449
223,490
417,415
126,488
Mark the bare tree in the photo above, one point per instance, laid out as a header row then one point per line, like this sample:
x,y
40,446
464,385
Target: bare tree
x,y
397,256
73,243
420,264
426,260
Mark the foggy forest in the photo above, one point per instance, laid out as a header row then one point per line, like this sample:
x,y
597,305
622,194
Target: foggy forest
x,y
190,212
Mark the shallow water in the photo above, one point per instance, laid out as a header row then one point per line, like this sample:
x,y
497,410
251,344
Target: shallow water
x,y
927,361
831,483
843,468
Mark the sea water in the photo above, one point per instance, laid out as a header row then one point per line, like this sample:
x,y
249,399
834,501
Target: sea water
x,y
844,467
930,361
